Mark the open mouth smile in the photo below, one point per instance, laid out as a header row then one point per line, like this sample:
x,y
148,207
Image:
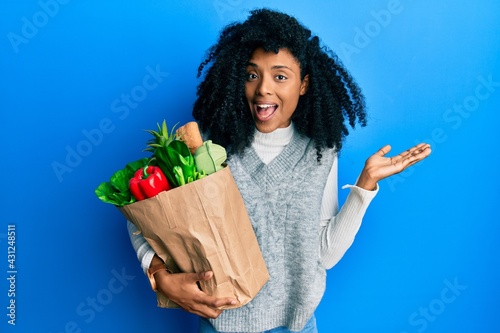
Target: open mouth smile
x,y
264,112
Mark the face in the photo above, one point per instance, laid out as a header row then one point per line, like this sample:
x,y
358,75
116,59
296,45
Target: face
x,y
273,88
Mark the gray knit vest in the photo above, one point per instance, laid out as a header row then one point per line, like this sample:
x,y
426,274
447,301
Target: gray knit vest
x,y
283,200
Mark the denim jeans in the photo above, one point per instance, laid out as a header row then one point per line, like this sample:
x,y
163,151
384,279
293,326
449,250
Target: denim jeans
x,y
206,327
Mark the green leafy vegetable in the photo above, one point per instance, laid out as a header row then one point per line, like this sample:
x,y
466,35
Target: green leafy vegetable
x,y
209,157
173,157
116,190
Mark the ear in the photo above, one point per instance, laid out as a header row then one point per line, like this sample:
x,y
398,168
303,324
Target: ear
x,y
304,85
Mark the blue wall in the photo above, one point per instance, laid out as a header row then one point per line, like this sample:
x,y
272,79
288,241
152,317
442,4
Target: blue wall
x,y
81,80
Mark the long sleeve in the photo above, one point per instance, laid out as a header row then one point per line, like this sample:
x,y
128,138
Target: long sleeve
x,y
339,228
144,251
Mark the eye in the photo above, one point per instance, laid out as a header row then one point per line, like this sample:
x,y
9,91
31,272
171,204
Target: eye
x,y
281,77
251,76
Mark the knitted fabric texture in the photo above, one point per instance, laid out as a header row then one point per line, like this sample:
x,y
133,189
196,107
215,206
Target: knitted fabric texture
x,y
283,200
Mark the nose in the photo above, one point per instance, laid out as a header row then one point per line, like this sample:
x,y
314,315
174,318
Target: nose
x,y
265,86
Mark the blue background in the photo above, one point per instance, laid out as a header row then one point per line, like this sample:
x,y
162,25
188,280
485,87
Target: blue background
x,y
426,258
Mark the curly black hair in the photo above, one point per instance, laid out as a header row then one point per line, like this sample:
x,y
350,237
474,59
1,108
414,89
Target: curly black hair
x,y
221,108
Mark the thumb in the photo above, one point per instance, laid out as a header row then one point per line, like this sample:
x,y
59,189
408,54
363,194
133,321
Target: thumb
x,y
384,150
206,275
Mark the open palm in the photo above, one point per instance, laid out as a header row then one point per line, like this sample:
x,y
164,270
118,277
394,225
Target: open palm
x,y
378,166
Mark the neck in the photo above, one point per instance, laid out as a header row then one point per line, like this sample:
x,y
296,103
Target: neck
x,y
270,145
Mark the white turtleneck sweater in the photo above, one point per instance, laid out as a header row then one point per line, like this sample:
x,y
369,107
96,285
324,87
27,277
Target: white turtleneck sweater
x,y
338,228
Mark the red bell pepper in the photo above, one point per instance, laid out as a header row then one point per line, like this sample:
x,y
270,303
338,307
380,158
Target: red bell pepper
x,y
148,182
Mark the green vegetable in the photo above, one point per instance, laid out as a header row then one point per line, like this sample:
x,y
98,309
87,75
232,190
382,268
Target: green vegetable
x,y
173,157
116,191
209,157
158,146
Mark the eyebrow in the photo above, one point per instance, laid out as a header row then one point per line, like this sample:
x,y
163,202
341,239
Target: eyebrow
x,y
274,67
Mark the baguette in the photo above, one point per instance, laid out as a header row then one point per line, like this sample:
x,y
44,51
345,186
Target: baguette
x,y
190,134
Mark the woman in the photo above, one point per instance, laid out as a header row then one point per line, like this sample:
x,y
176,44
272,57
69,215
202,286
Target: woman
x,y
280,104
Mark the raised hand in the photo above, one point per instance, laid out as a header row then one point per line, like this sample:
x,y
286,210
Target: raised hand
x,y
378,166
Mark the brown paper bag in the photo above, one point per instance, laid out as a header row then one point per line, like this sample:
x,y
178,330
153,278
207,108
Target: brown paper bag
x,y
203,226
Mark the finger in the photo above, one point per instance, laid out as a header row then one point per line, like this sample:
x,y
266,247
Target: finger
x,y
384,150
220,303
420,150
215,302
206,306
211,301
206,275
417,155
422,145
413,151
201,276
422,153
205,312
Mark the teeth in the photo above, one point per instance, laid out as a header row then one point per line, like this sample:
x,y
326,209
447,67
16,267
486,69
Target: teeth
x,y
265,106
